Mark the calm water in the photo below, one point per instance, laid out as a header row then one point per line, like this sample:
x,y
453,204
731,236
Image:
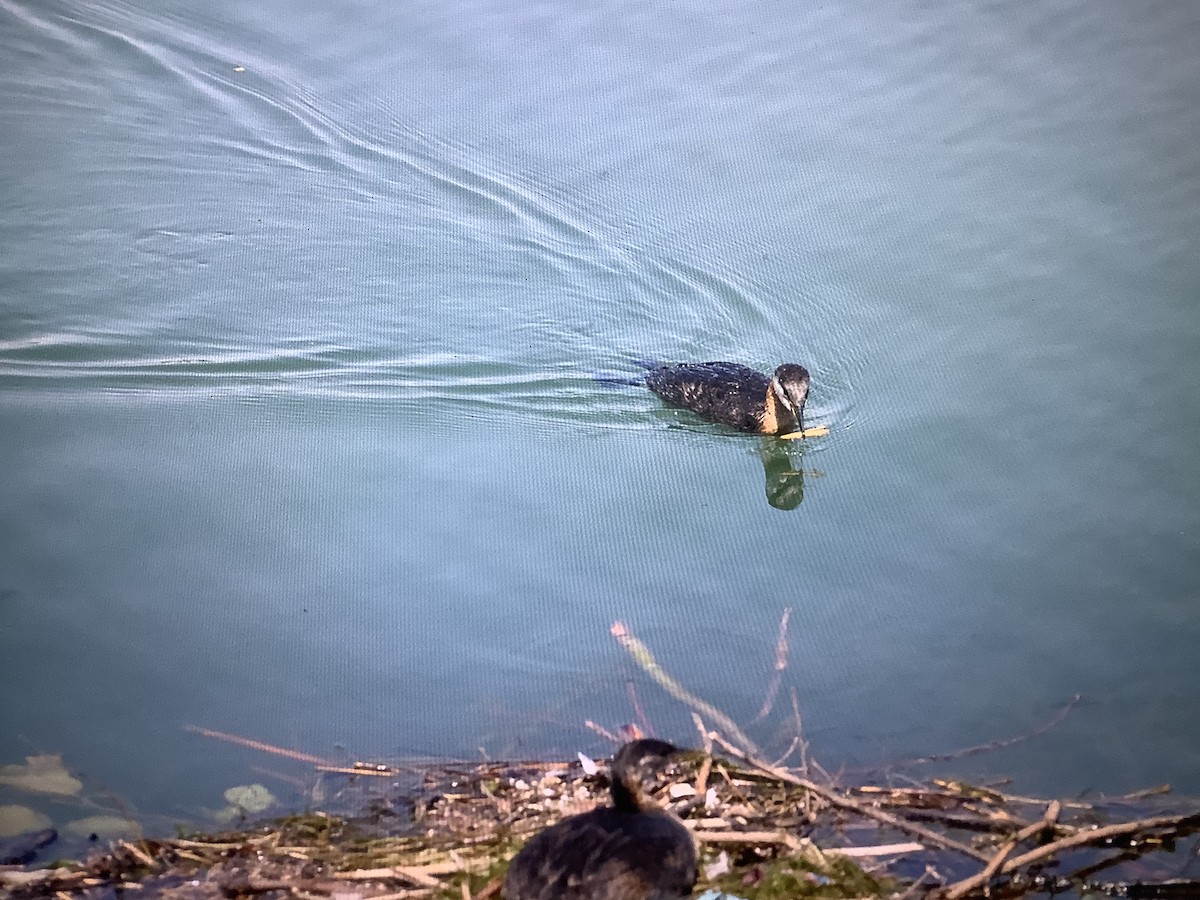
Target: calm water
x,y
301,309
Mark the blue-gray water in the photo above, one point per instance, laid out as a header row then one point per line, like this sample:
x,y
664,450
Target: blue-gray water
x,y
301,439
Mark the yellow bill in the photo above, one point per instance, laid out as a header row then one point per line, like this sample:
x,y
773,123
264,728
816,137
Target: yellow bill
x,y
819,431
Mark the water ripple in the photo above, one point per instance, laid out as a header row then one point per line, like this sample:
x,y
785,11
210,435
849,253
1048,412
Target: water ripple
x,y
566,288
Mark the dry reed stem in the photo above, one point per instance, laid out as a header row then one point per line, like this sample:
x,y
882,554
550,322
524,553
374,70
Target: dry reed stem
x,y
137,853
258,745
877,850
420,875
385,772
781,663
602,731
638,712
643,657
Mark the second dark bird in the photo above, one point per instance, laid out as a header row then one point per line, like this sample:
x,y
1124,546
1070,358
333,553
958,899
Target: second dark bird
x,y
631,850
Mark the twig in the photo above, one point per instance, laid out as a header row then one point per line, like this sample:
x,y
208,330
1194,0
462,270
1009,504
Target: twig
x,y
800,733
791,748
969,884
702,729
644,658
877,850
218,845
643,722
919,886
1079,839
838,800
137,853
1083,838
996,744
913,889
258,745
737,791
961,821
1142,794
421,876
706,763
781,663
602,731
384,772
1003,798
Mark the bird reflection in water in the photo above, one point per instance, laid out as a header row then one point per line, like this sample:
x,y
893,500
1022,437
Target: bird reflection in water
x,y
784,480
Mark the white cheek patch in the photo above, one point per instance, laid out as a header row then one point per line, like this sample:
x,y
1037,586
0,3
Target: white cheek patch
x,y
782,396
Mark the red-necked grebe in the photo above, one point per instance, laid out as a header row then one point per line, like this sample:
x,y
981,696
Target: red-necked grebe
x,y
732,394
631,850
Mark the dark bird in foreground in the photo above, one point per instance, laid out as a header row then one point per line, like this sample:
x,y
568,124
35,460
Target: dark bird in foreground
x,y
732,394
631,850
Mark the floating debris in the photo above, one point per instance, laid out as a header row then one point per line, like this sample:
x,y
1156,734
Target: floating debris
x,y
44,774
588,764
16,820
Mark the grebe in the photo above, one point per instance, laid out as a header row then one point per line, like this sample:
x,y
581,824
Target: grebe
x,y
631,850
732,394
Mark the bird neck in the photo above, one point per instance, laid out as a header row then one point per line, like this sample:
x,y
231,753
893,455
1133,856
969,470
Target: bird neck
x,y
627,793
776,417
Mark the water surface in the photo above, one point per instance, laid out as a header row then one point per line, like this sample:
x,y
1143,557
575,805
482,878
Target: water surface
x,y
301,310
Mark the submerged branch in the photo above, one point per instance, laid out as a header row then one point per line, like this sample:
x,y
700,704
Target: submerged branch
x,y
644,658
781,664
997,744
258,745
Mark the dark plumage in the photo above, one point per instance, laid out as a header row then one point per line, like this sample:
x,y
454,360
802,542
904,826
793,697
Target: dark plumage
x,y
628,851
732,394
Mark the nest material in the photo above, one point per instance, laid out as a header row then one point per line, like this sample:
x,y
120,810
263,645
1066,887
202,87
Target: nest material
x,y
763,832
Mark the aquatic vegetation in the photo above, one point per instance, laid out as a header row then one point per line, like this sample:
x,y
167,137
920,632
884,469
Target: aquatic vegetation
x,y
43,774
245,800
16,820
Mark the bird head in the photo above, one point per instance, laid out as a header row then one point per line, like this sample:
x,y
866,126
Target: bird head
x,y
790,386
635,764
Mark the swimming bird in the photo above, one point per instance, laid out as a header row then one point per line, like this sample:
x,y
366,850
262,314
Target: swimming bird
x,y
631,850
732,394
